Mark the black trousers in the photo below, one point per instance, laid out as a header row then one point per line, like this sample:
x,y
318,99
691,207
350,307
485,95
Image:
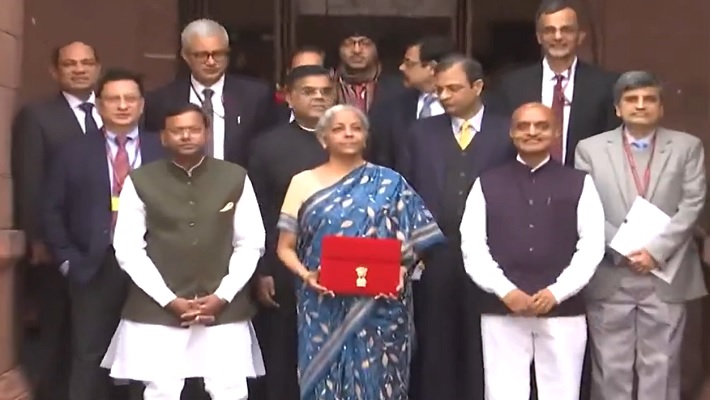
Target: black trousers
x,y
52,370
276,329
95,313
447,361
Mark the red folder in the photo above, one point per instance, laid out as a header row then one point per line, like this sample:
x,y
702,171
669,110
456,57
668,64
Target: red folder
x,y
360,266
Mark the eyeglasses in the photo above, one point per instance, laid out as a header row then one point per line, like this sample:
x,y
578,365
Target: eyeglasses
x,y
202,56
313,92
130,100
190,130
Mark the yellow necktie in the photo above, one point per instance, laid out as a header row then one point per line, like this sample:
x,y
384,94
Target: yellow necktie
x,y
465,135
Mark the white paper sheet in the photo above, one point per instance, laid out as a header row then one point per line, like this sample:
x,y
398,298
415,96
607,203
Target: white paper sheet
x,y
643,223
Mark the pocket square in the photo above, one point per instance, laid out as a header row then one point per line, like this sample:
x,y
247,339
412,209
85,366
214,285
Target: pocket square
x,y
227,207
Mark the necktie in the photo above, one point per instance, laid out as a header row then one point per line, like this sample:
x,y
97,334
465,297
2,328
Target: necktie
x,y
209,111
121,168
639,145
427,101
89,121
558,107
465,135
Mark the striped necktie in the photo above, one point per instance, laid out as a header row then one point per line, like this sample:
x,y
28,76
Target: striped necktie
x,y
208,109
465,135
427,102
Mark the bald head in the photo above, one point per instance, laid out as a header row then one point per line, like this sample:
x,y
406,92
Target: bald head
x,y
538,108
534,128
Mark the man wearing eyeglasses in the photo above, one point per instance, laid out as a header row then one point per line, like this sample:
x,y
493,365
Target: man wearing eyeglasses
x,y
578,93
80,209
239,108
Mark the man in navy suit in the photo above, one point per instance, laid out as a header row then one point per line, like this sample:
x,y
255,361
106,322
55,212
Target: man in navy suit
x,y
447,153
80,206
239,107
389,122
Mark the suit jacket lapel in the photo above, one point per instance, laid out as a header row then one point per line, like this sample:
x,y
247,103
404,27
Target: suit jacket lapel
x,y
617,160
533,86
409,107
100,161
151,150
65,116
661,153
578,105
441,136
233,112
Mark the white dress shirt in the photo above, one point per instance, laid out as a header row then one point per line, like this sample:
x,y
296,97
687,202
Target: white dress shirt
x,y
196,97
548,90
476,121
435,107
149,352
486,272
75,102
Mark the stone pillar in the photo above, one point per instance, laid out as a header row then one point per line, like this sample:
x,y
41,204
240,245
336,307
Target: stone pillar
x,y
12,384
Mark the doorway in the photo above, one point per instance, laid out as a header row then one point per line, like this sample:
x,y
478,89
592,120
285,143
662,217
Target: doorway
x,y
264,33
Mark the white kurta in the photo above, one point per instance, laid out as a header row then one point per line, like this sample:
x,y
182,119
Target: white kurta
x,y
156,353
511,343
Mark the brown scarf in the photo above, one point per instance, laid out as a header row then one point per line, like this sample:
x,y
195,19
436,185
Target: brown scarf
x,y
357,90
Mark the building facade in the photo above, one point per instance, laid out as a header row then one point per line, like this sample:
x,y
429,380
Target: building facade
x,y
672,40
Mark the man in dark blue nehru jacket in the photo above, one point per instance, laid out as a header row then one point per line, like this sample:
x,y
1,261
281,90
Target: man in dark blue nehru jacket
x,y
532,236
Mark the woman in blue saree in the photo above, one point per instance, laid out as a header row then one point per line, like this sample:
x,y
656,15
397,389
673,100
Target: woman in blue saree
x,y
352,348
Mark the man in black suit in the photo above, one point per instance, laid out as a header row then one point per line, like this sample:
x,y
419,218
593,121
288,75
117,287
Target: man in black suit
x,y
81,202
447,153
276,157
239,107
391,120
579,93
37,131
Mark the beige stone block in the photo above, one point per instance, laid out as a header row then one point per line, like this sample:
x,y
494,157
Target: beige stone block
x,y
11,17
12,56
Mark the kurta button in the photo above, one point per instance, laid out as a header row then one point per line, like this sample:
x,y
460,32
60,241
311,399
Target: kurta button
x,y
532,226
192,203
194,243
531,249
189,183
105,232
463,174
530,202
192,224
460,192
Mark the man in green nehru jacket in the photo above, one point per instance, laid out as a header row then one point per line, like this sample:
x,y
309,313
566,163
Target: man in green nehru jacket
x,y
189,234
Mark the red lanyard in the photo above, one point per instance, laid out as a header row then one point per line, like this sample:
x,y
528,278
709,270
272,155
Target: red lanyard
x,y
117,181
641,186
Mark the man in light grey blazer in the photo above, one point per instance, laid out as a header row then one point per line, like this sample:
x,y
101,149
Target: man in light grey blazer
x,y
636,320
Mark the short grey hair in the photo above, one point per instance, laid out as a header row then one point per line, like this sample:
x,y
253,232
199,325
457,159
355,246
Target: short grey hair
x,y
202,28
326,121
634,80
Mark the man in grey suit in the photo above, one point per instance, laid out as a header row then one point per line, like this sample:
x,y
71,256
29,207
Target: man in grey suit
x,y
636,320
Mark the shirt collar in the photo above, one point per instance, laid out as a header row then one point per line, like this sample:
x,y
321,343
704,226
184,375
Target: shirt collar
x,y
424,96
533,169
549,75
474,121
644,141
75,102
217,87
133,134
192,169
